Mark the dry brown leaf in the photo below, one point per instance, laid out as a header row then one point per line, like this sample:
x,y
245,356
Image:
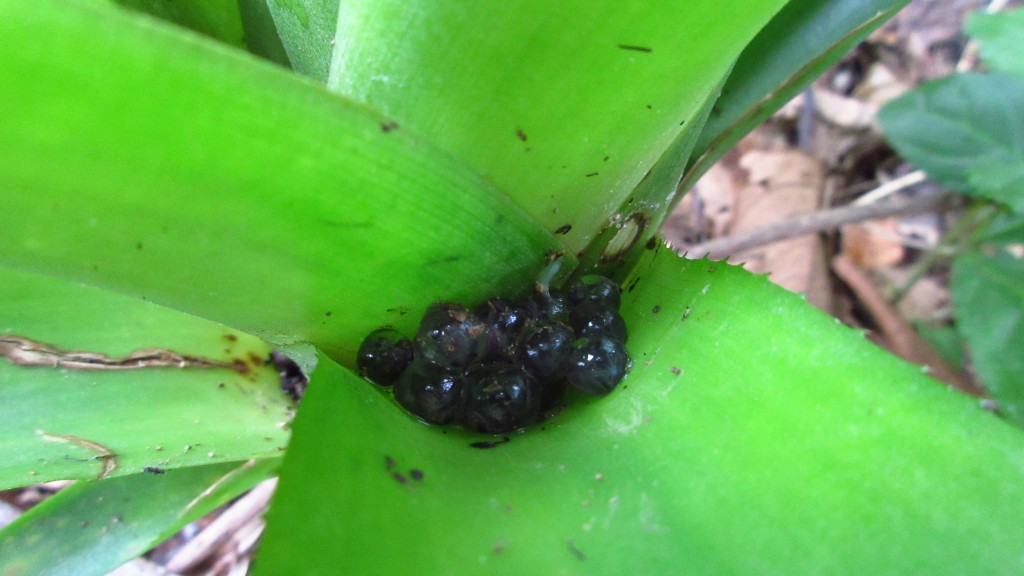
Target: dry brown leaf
x,y
872,245
784,183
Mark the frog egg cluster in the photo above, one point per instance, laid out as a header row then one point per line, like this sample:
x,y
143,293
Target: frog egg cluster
x,y
503,364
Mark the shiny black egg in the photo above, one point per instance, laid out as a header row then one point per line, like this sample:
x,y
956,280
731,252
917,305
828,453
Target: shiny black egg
x,y
500,398
383,355
430,392
594,319
597,366
448,335
544,350
596,289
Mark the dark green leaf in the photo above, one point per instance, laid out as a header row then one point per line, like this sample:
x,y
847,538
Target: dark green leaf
x,y
988,293
802,41
218,19
1005,229
753,436
93,527
306,29
1001,37
966,131
945,340
261,37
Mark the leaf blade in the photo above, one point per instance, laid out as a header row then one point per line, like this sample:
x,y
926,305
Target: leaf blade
x,y
564,106
63,420
989,302
963,130
93,527
703,462
296,216
802,41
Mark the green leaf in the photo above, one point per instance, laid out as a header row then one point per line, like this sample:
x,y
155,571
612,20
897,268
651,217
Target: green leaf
x,y
306,29
802,41
82,417
565,106
92,527
212,182
1002,39
218,19
754,435
1005,229
945,340
261,37
1000,178
988,295
966,131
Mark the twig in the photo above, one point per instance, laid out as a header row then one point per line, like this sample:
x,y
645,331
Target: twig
x,y
891,187
819,222
246,508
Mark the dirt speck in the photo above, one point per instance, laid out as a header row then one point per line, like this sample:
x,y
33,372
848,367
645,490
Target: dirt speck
x,y
635,48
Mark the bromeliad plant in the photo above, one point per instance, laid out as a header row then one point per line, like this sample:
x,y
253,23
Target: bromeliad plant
x,y
432,151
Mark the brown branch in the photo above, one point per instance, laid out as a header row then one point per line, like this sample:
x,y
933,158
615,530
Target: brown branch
x,y
819,222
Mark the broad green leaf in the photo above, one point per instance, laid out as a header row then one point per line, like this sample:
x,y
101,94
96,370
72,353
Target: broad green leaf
x,y
988,294
964,130
1002,39
802,41
754,435
1001,178
72,419
206,180
218,19
93,527
1004,229
565,106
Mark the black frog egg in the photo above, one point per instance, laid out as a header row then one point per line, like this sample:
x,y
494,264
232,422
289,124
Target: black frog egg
x,y
544,349
597,289
383,356
448,335
503,320
500,398
598,365
592,319
549,305
431,392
